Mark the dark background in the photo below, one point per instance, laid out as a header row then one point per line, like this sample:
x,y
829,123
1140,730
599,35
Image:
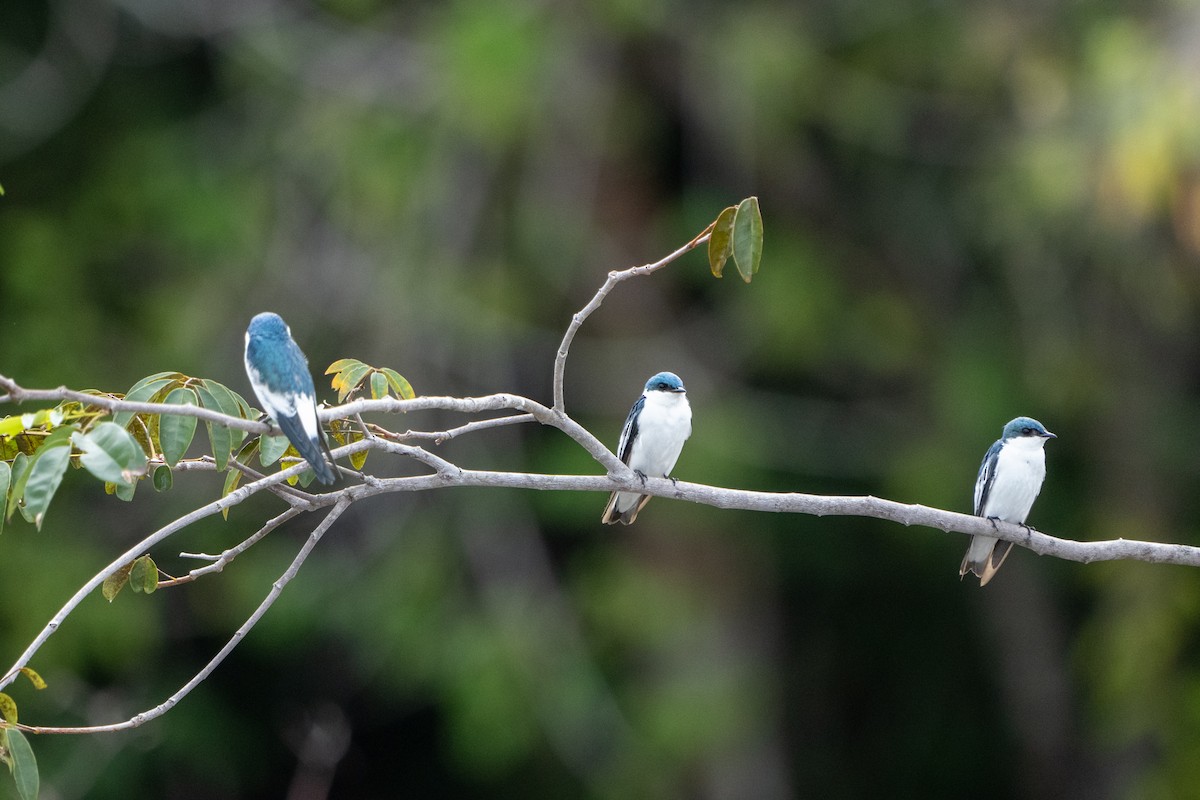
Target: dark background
x,y
973,211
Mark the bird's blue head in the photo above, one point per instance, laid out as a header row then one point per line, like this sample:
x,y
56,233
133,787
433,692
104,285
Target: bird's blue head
x,y
1026,426
665,382
268,326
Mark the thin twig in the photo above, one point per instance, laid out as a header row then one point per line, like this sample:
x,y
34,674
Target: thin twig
x,y
577,319
438,437
238,635
220,562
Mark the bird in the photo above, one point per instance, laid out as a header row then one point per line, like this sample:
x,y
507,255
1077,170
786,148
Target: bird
x,y
655,430
1010,478
279,375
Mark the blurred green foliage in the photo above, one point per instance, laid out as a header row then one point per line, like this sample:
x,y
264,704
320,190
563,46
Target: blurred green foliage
x,y
972,211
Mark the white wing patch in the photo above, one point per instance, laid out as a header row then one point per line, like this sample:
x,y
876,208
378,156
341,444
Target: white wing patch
x,y
279,404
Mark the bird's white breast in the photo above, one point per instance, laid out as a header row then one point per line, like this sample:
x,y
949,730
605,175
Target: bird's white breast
x,y
1020,470
663,426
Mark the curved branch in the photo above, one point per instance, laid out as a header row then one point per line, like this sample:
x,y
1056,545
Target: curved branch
x,y
577,319
215,661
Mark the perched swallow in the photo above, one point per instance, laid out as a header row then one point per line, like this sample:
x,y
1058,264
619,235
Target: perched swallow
x,y
278,371
1010,478
653,436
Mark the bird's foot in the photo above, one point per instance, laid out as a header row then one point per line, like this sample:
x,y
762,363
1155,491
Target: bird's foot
x,y
641,476
994,521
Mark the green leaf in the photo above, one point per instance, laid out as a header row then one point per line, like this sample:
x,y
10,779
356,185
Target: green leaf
x,y
143,577
234,476
5,479
400,386
720,241
271,449
218,435
163,479
111,454
379,385
145,390
175,432
232,404
43,480
232,479
747,238
34,678
24,765
20,473
114,583
8,708
124,491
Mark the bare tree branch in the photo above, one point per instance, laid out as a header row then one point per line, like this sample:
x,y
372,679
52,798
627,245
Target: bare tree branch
x,y
238,635
220,562
577,320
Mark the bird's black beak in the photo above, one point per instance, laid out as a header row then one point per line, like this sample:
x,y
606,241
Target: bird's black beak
x,y
1049,435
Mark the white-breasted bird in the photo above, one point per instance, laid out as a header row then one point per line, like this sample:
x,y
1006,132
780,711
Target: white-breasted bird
x,y
1010,478
279,374
655,430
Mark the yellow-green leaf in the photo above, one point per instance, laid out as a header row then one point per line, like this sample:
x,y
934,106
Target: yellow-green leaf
x,y
34,678
348,379
143,577
114,583
747,238
400,386
340,365
8,708
720,241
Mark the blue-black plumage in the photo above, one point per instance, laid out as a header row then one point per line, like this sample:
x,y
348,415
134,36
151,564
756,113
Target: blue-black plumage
x,y
1009,480
651,441
279,375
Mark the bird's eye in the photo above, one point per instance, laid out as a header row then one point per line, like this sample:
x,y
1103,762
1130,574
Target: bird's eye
x,y
662,384
1029,431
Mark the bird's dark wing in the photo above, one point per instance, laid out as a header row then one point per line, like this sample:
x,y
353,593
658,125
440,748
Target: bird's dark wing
x,y
630,431
310,448
987,476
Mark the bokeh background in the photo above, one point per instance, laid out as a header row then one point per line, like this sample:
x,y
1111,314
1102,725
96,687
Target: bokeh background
x,y
972,211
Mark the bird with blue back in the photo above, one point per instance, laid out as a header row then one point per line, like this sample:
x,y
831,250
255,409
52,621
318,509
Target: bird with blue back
x,y
651,441
279,374
1010,478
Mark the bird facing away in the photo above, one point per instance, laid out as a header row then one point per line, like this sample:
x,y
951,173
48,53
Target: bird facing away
x,y
653,436
278,372
1010,478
